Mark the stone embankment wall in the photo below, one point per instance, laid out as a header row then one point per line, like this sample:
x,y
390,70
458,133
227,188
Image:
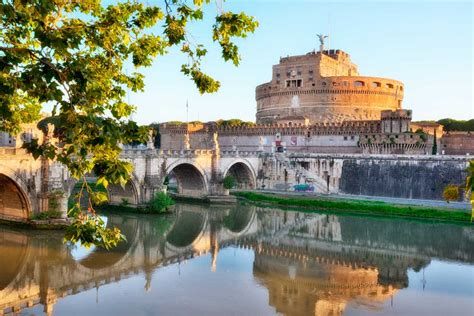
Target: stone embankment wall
x,y
414,177
399,176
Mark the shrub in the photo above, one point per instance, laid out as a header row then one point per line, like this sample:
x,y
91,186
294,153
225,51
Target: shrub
x,y
160,203
451,193
228,182
46,215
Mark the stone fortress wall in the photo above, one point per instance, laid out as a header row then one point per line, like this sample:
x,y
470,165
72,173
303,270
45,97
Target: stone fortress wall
x,y
390,135
325,87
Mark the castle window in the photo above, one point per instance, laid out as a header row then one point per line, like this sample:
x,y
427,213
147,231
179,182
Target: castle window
x,y
389,85
376,84
278,81
313,84
294,83
345,137
310,72
324,83
352,137
278,75
359,83
335,84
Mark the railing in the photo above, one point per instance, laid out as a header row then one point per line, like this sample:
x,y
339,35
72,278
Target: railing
x,y
384,156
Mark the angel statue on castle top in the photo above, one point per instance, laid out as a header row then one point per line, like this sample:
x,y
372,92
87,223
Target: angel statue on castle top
x,y
321,40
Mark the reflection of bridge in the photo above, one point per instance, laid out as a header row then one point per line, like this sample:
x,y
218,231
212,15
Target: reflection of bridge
x,y
324,260
40,272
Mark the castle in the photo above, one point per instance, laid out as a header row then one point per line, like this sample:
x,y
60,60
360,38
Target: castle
x,y
318,103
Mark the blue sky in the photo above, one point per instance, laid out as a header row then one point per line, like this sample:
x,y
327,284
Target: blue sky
x,y
426,44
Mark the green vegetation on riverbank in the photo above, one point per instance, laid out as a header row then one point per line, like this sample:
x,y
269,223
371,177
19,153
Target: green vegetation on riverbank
x,y
356,207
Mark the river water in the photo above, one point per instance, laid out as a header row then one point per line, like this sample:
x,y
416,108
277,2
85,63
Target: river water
x,y
243,260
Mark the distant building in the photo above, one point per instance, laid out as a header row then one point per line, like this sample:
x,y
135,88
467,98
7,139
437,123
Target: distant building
x,y
315,103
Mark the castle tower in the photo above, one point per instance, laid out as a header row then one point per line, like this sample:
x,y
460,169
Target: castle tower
x,y
325,87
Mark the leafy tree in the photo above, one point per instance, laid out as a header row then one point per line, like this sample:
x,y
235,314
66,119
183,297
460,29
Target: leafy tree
x,y
233,123
451,193
457,125
434,149
72,54
469,189
229,182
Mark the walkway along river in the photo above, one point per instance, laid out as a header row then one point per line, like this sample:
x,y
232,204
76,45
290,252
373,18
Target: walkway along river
x,y
243,260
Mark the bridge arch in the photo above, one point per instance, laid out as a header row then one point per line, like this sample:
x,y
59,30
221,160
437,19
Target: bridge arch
x,y
14,248
187,231
17,201
191,178
239,221
97,258
243,173
130,194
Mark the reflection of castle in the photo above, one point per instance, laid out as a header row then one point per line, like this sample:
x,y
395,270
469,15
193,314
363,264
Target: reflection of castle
x,y
318,288
309,263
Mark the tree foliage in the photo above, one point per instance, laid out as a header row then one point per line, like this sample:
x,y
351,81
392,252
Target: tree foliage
x,y
469,189
451,193
73,55
229,182
233,123
457,125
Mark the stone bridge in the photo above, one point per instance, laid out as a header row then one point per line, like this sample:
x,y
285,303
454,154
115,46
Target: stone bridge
x,y
198,173
29,186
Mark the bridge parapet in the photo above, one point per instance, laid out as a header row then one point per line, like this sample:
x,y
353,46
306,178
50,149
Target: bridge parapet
x,y
239,153
383,157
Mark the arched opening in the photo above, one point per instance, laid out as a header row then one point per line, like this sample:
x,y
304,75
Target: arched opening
x,y
359,83
13,247
243,175
186,229
100,258
389,85
126,196
13,201
189,180
238,219
376,84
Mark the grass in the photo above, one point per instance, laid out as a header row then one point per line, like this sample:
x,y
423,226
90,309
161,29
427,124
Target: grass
x,y
358,207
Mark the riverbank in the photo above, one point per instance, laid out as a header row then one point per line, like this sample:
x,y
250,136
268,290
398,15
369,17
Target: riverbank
x,y
40,224
355,207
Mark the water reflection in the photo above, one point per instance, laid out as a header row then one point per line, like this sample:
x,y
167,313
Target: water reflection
x,y
310,264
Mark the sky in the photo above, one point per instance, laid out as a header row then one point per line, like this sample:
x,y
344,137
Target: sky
x,y
428,45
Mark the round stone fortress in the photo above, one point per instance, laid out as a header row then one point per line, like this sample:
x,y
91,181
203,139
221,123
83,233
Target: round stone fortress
x,y
323,87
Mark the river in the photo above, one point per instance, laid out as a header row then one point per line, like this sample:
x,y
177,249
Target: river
x,y
243,260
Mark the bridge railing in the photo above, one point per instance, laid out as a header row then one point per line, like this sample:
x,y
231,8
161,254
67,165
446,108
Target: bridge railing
x,y
383,157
